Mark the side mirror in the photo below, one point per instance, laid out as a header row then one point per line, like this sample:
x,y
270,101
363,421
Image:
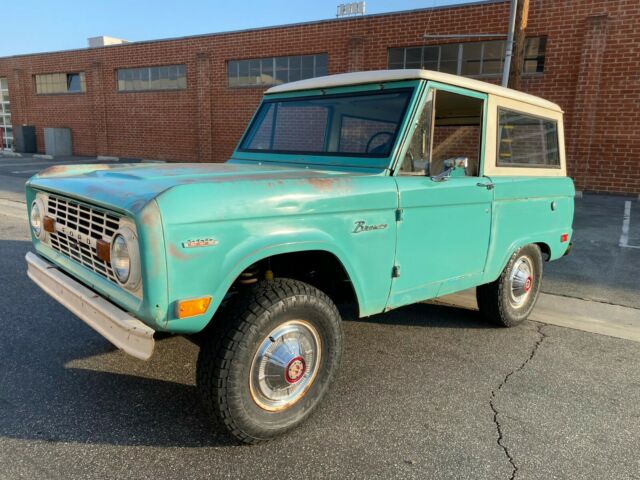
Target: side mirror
x,y
451,164
457,162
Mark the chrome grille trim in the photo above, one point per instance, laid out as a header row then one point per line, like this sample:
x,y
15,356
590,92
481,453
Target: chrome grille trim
x,y
77,228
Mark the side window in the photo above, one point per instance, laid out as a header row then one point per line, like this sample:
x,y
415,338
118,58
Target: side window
x,y
527,141
449,134
416,160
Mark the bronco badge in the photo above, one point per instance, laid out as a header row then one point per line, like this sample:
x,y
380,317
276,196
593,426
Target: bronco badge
x,y
361,226
200,242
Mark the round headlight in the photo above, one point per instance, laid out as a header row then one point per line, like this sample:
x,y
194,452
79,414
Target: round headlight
x,y
120,259
36,218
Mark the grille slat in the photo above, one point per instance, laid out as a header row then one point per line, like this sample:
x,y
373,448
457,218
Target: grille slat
x,y
89,221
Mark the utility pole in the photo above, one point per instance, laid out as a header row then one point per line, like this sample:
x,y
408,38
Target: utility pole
x,y
509,45
515,72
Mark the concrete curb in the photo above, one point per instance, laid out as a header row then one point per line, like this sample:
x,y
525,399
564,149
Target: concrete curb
x,y
569,312
43,157
106,158
10,154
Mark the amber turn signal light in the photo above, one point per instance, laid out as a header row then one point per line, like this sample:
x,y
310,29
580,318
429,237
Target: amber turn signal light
x,y
103,250
192,307
49,224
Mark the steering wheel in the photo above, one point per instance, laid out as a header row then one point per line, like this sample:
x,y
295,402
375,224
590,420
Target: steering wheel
x,y
377,134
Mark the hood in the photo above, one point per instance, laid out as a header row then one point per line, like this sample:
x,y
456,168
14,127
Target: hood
x,y
129,187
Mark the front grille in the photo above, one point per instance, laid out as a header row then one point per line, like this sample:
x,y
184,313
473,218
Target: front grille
x,y
91,223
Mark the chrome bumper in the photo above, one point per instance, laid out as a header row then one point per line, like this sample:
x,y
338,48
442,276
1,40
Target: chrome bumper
x,y
119,327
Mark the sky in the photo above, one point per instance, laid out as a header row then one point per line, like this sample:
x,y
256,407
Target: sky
x,y
30,26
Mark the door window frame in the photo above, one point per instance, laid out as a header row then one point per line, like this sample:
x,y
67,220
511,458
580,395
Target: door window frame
x,y
418,113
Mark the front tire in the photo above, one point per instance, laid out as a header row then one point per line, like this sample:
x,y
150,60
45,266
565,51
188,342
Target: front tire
x,y
267,365
509,300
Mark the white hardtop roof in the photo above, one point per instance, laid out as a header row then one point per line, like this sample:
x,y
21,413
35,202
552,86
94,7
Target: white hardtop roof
x,y
381,76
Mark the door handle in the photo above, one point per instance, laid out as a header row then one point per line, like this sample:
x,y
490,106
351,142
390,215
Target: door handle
x,y
488,185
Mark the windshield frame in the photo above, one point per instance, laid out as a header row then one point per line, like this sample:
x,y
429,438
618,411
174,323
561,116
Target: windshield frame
x,y
334,159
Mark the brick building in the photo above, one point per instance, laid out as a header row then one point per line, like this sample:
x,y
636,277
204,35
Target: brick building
x,y
190,98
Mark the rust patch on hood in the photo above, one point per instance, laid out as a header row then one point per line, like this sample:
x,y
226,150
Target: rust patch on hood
x,y
59,170
330,184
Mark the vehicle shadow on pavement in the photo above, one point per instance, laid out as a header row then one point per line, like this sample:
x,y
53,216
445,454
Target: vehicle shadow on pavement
x,y
62,382
428,315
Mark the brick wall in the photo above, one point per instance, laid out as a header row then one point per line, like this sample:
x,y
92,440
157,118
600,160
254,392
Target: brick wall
x,y
592,70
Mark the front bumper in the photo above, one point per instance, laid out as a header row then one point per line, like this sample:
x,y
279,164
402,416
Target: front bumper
x,y
119,327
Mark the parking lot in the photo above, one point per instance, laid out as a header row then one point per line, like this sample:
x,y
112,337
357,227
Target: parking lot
x,y
426,391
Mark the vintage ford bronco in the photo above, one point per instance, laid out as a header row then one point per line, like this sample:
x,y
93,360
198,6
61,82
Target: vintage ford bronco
x,y
379,188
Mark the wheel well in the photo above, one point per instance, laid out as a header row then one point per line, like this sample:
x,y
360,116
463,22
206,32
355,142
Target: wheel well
x,y
319,268
546,251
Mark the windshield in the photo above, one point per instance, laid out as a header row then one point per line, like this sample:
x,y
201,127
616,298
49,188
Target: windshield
x,y
361,124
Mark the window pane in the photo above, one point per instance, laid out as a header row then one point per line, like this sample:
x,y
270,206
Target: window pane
x,y
534,53
243,72
471,54
416,159
368,124
414,57
492,57
449,58
266,69
306,68
430,58
171,77
321,65
282,69
254,72
232,73
73,82
294,68
527,141
396,58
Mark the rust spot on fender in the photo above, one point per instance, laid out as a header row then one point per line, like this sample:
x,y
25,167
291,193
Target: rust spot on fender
x,y
175,253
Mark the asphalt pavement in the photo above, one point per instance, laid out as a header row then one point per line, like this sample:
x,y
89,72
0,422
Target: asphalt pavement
x,y
425,391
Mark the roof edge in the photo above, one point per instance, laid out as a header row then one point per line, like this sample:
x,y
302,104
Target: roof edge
x,y
381,76
270,27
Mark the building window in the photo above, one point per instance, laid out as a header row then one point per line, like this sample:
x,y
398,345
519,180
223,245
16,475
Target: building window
x,y
170,77
534,55
472,59
275,70
527,141
6,130
60,83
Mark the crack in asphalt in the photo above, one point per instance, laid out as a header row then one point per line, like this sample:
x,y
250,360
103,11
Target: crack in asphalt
x,y
494,409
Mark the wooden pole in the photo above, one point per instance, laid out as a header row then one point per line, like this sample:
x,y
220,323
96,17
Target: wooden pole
x,y
522,15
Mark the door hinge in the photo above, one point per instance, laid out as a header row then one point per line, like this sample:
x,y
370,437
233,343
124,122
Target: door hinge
x,y
395,271
398,214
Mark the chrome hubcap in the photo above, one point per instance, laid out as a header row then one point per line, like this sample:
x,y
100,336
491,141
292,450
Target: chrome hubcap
x,y
285,365
521,281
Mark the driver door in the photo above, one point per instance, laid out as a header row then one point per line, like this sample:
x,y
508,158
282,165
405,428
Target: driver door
x,y
445,214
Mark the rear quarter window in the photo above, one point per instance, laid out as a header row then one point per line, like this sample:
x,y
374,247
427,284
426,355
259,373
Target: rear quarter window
x,y
526,140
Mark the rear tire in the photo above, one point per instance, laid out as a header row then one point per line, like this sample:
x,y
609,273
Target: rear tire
x,y
266,366
509,300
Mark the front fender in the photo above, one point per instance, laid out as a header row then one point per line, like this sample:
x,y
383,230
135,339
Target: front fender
x,y
226,267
